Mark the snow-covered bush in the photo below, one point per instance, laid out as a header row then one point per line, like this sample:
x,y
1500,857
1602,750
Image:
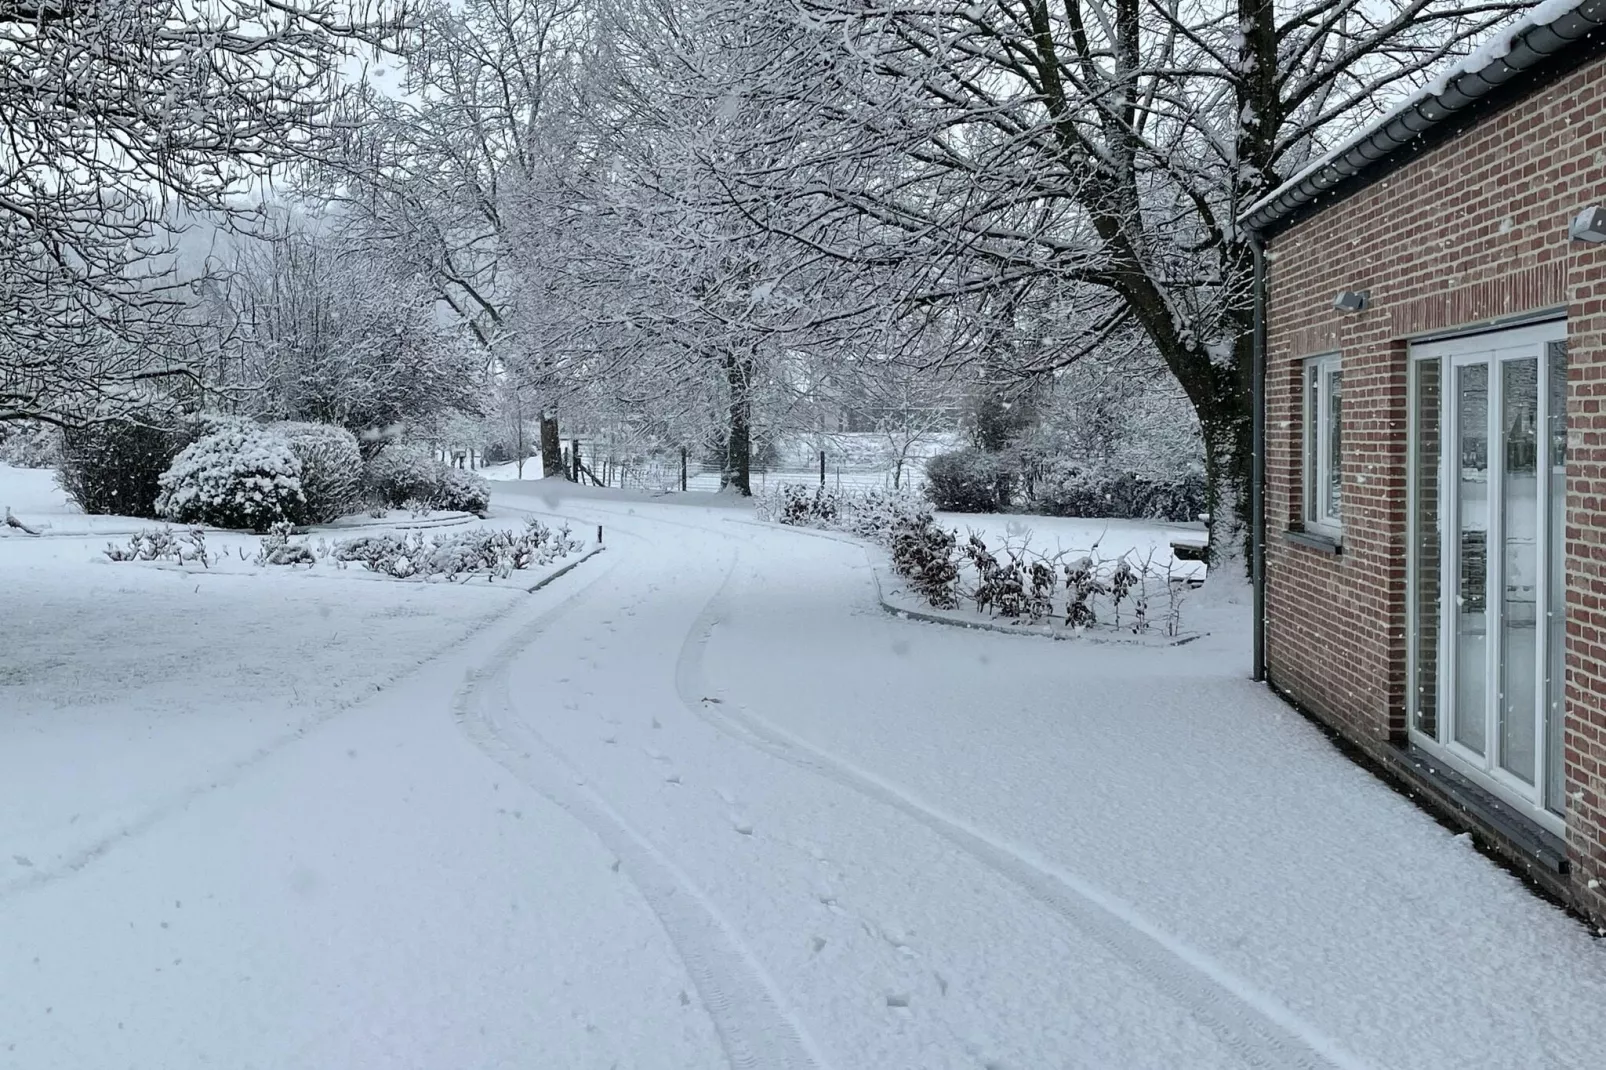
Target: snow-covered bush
x,y
241,477
401,473
115,467
969,481
331,469
462,492
923,554
413,474
495,554
277,549
27,444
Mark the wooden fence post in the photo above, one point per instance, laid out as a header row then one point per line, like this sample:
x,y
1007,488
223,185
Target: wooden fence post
x,y
822,468
683,469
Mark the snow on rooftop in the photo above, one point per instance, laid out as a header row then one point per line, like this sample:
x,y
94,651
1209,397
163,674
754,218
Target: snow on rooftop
x,y
1492,50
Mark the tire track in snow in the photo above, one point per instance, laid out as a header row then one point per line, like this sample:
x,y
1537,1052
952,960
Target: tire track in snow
x,y
755,1029
1252,1023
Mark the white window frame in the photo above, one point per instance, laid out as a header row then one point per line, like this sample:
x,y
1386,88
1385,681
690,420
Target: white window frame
x,y
1321,418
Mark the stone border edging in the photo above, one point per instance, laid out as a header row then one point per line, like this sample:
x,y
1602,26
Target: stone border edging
x,y
565,570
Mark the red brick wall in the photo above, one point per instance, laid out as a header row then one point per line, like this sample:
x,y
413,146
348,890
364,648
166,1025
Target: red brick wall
x,y
1475,230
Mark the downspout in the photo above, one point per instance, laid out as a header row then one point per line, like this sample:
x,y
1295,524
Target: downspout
x,y
1257,476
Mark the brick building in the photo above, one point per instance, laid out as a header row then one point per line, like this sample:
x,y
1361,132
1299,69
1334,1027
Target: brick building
x,y
1434,358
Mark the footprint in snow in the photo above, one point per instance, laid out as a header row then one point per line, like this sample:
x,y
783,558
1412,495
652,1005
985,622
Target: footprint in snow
x,y
817,944
741,826
22,860
898,1000
672,778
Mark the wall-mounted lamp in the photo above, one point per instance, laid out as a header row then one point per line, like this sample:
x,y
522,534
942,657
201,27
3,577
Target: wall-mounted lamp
x,y
1352,300
1589,225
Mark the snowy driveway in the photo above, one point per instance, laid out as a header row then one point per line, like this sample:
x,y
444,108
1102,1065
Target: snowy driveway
x,y
701,804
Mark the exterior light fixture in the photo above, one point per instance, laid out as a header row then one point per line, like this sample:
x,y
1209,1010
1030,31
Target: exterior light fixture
x,y
1352,300
1589,225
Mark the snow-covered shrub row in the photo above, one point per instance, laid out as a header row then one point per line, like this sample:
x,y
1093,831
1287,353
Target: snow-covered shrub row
x,y
331,469
405,474
29,444
870,514
1082,590
164,544
496,554
240,477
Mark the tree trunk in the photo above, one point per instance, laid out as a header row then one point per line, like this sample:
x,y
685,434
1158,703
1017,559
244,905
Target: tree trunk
x,y
738,468
551,447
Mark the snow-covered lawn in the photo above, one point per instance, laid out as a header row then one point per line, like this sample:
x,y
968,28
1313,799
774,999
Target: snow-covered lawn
x,y
127,687
701,803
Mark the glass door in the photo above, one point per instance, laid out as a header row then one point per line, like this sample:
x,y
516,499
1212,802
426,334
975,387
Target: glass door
x,y
1486,586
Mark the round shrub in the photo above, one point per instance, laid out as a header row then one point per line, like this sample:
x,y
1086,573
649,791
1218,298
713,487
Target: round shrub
x,y
115,467
331,469
411,473
968,481
240,477
402,473
462,492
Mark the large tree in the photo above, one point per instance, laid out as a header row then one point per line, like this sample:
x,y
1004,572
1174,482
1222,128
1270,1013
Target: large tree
x,y
1104,147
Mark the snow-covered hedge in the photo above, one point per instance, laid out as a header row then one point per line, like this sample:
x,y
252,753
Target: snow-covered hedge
x,y
331,469
407,474
240,477
1067,488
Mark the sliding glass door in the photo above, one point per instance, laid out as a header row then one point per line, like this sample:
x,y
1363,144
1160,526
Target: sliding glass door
x,y
1488,508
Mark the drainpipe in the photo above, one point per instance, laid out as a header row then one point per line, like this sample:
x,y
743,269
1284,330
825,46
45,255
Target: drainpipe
x,y
1257,477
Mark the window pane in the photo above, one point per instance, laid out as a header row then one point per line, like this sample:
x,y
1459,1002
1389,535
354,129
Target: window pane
x,y
1312,443
1426,445
1519,593
1335,469
1472,505
1556,622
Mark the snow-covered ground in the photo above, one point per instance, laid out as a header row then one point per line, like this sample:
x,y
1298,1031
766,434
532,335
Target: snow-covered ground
x,y
701,803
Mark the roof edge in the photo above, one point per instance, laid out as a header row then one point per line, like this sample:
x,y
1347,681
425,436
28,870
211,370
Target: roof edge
x,y
1538,55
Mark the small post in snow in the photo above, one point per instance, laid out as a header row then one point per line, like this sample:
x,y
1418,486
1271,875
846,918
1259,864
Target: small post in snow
x,y
822,468
683,469
599,534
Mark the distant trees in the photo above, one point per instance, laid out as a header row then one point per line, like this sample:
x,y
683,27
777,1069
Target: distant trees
x,y
330,333
112,110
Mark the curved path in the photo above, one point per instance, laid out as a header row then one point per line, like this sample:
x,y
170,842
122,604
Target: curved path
x,y
701,804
